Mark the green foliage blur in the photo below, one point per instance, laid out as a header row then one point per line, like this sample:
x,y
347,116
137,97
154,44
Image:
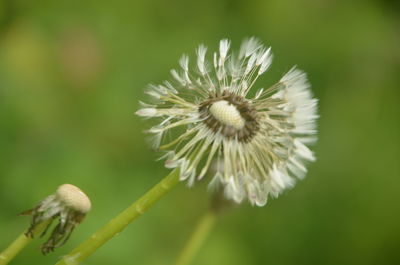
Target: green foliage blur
x,y
72,74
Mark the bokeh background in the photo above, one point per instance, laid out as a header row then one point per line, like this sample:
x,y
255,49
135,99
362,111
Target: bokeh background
x,y
71,76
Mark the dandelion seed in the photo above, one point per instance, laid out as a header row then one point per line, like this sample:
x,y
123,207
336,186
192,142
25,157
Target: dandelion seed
x,y
261,141
69,205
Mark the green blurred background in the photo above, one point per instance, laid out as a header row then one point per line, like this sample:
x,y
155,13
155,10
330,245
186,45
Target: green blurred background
x,y
71,76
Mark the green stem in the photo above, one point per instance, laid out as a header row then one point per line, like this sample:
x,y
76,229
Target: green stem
x,y
117,224
197,238
19,244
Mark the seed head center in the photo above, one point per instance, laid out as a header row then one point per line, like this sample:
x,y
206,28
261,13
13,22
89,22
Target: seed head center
x,y
227,114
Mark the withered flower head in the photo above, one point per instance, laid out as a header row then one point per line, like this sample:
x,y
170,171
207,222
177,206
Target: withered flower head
x,y
69,206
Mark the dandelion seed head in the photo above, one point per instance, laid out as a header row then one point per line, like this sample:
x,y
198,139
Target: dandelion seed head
x,y
261,142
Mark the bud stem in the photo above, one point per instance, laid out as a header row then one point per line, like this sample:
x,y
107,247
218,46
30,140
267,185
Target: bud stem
x,y
20,243
116,225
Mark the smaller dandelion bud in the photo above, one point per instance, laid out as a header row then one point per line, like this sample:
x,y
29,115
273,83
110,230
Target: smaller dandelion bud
x,y
68,205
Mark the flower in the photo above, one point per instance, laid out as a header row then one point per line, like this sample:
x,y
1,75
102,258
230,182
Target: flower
x,y
69,204
261,140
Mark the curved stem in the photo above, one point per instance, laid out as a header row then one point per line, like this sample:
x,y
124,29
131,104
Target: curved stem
x,y
19,244
197,238
122,220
